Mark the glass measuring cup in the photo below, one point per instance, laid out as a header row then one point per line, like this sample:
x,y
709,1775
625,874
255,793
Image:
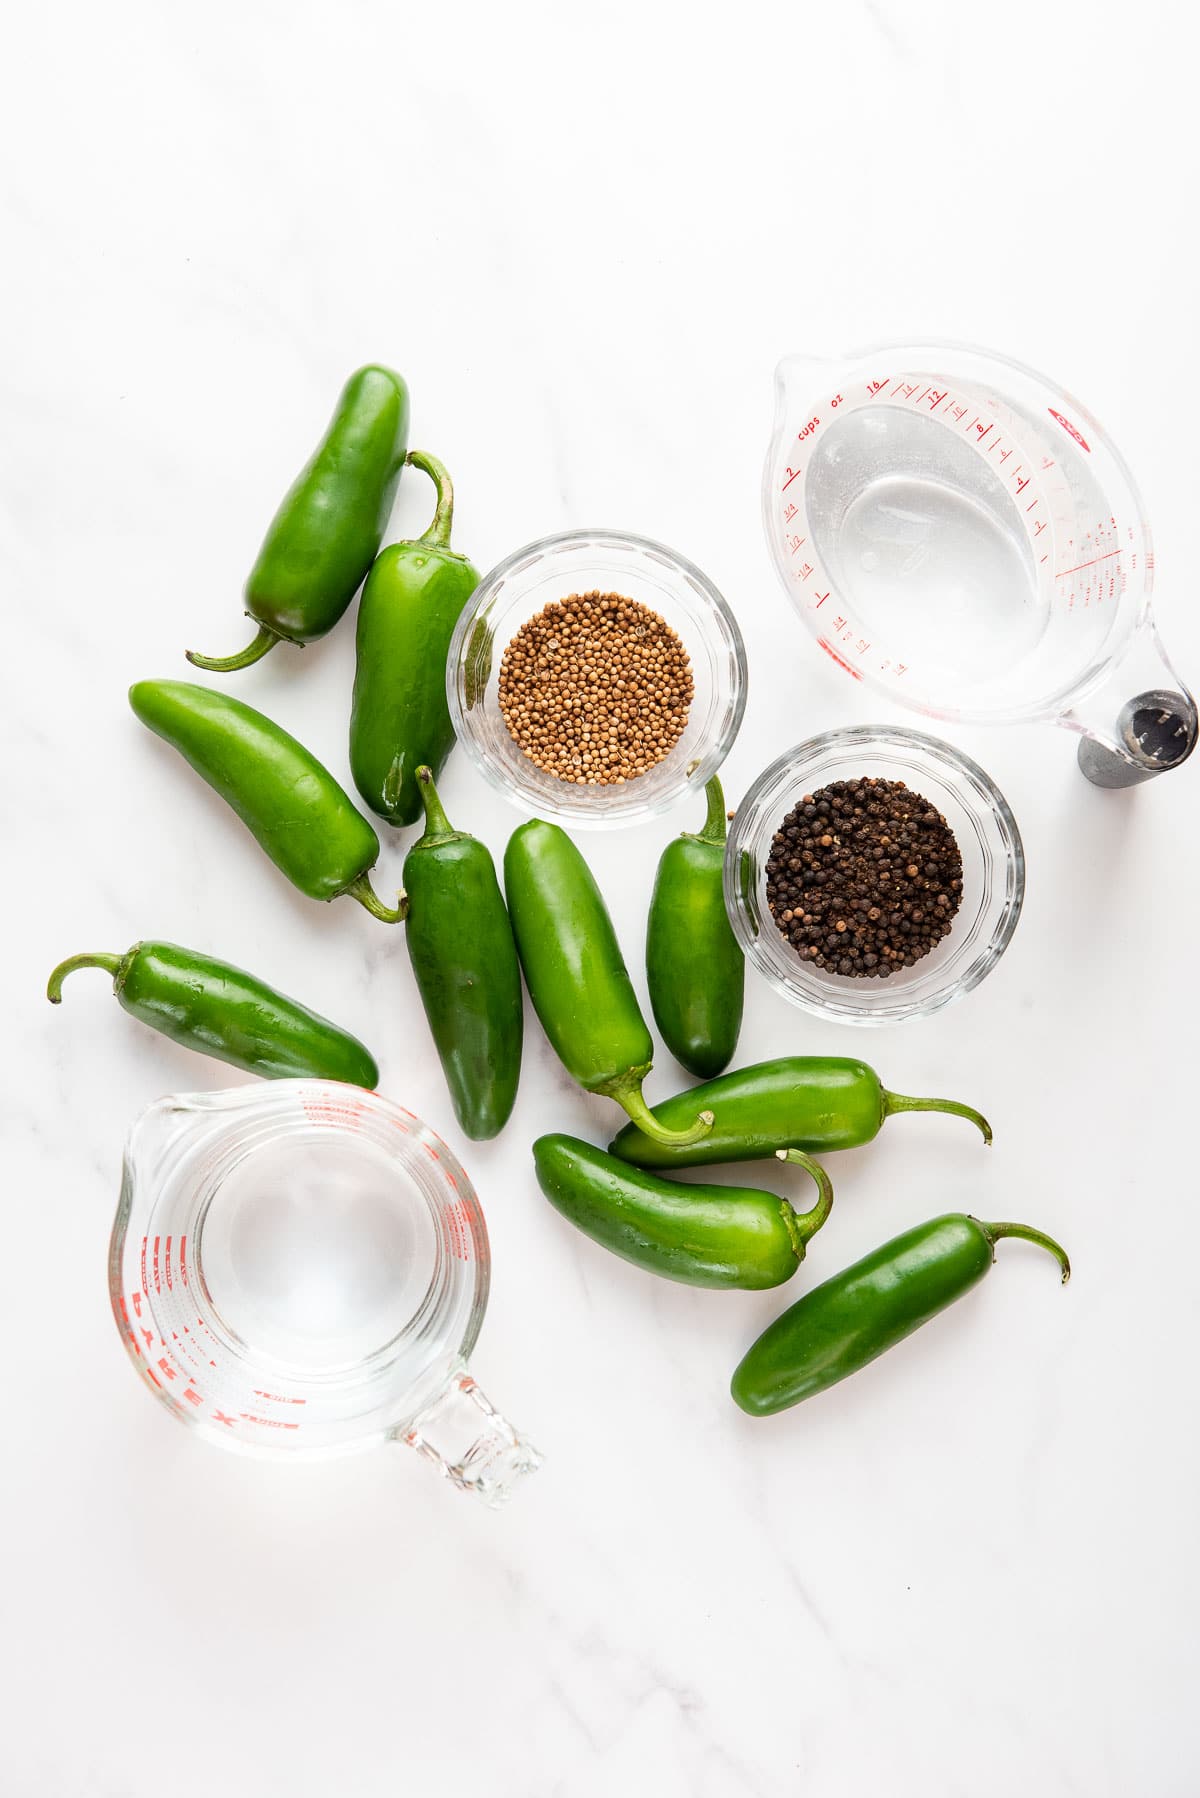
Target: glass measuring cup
x,y
958,532
301,1269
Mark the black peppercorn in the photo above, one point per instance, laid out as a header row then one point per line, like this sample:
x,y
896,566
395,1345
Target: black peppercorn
x,y
864,877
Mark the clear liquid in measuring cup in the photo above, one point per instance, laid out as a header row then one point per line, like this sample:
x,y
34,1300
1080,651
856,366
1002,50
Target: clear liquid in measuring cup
x,y
925,543
318,1251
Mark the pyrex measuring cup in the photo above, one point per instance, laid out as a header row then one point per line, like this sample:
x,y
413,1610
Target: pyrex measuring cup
x,y
302,1268
959,532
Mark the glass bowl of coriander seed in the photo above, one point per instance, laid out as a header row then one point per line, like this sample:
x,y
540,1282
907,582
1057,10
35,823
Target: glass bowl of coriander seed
x,y
874,874
594,678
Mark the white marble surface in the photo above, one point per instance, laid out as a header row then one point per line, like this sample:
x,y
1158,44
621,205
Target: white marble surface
x,y
587,240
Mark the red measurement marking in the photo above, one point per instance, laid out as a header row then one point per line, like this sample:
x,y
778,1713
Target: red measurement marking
x,y
137,1303
458,1228
278,1398
192,1396
145,1283
220,1417
332,1111
1069,428
983,434
157,1272
792,475
183,1260
1106,557
841,662
170,1281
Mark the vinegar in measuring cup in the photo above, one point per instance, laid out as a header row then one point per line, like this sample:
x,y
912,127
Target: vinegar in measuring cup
x,y
318,1252
302,1268
925,542
959,533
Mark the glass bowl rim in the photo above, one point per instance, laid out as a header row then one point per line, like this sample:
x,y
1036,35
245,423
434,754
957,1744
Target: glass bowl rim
x,y
697,772
845,1005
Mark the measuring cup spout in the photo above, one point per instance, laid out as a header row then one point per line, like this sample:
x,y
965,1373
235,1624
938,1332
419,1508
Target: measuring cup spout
x,y
1125,740
164,1133
469,1443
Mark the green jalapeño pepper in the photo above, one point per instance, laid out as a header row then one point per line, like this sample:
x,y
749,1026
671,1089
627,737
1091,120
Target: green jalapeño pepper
x,y
845,1323
693,964
222,1011
328,529
399,719
809,1102
465,961
719,1236
576,974
292,804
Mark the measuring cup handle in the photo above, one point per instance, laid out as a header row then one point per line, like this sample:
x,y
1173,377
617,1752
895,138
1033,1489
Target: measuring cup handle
x,y
469,1442
1127,740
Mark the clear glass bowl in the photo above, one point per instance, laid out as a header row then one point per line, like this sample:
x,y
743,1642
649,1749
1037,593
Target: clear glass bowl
x,y
577,562
993,872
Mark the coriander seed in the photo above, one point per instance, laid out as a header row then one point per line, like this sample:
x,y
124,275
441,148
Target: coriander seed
x,y
595,689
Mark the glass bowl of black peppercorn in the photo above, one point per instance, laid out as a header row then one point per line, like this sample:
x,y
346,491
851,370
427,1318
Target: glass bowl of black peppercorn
x,y
874,874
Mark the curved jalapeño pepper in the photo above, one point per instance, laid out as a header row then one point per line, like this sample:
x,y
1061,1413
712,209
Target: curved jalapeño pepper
x,y
576,974
814,1102
694,967
324,536
461,946
399,718
717,1236
846,1322
222,1011
281,793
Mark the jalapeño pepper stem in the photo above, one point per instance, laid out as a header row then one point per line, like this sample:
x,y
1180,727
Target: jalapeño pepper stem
x,y
714,824
438,534
245,658
805,1224
627,1091
362,890
1027,1233
110,963
893,1102
438,828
